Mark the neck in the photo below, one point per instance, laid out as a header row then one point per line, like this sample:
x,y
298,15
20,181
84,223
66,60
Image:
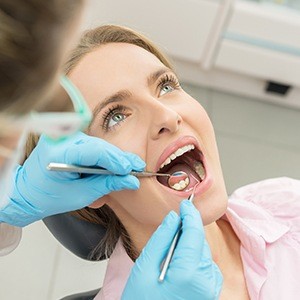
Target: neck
x,y
139,239
222,240
225,250
224,245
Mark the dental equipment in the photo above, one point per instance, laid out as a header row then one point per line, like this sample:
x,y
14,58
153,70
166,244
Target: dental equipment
x,y
168,258
179,180
166,262
94,170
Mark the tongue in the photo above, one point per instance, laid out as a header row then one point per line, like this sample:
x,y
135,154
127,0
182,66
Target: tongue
x,y
193,176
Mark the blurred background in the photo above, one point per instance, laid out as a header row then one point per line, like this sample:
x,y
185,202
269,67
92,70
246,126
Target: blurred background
x,y
241,60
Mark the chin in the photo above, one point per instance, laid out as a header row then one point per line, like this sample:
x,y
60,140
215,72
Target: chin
x,y
213,205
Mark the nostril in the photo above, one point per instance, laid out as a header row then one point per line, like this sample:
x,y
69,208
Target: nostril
x,y
162,130
179,119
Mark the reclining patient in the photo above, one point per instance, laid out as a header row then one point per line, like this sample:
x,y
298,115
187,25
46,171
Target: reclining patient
x,y
139,106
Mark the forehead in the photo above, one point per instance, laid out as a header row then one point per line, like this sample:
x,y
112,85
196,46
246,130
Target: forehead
x,y
113,67
114,59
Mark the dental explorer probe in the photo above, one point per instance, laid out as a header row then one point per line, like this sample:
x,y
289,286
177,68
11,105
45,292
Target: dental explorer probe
x,y
96,170
168,258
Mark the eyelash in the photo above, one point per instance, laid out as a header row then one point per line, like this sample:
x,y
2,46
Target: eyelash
x,y
110,113
163,82
169,79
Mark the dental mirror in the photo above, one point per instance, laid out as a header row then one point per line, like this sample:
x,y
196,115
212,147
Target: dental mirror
x,y
178,180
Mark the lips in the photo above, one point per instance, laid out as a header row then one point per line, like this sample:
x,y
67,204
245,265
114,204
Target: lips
x,y
183,155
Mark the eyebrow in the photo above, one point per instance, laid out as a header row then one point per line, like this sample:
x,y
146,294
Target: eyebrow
x,y
117,97
125,94
154,76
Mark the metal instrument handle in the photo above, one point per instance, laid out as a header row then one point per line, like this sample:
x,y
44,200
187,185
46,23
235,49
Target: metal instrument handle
x,y
96,170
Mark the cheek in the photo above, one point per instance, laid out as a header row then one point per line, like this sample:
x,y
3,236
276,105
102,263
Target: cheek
x,y
145,206
199,121
127,138
197,117
200,112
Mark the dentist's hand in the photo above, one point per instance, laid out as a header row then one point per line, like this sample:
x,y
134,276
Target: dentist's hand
x,y
38,193
192,274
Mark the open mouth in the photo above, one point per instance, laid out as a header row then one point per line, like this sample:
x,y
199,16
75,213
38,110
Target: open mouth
x,y
187,159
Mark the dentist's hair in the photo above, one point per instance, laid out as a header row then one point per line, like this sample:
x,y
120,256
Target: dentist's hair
x,y
31,35
90,41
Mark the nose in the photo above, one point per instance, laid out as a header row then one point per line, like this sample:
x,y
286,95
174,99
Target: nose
x,y
164,120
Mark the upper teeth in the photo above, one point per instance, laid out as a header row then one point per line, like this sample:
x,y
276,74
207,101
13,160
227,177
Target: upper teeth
x,y
177,153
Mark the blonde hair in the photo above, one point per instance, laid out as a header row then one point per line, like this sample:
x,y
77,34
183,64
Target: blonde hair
x,y
94,38
31,32
91,40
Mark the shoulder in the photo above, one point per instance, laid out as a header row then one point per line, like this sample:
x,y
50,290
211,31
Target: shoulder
x,y
10,237
278,196
268,187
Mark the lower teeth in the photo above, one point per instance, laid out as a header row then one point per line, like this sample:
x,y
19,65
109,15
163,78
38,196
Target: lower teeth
x,y
198,166
179,181
181,185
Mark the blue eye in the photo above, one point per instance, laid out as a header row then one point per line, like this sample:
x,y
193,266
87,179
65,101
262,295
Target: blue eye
x,y
115,119
166,89
167,84
114,116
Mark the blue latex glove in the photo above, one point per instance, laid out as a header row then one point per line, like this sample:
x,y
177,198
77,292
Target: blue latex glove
x,y
192,274
38,193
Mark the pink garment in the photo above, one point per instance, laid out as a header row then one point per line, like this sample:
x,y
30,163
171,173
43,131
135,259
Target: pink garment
x,y
266,218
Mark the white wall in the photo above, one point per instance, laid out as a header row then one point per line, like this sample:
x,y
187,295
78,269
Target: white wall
x,y
257,140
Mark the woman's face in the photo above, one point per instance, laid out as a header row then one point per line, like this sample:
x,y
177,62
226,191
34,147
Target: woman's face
x,y
140,107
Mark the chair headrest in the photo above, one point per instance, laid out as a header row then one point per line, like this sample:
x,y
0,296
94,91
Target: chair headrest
x,y
78,236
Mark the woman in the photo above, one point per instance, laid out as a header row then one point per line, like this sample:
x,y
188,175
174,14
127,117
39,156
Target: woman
x,y
139,106
35,37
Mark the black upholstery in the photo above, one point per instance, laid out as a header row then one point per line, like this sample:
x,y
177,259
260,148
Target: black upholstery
x,y
78,236
83,296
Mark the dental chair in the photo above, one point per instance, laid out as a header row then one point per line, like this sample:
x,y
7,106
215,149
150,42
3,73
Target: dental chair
x,y
78,236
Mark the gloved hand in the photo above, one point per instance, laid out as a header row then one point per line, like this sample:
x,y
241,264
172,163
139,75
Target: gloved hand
x,y
192,274
38,193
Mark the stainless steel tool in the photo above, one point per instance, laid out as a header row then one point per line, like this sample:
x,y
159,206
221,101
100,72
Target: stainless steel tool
x,y
168,258
96,170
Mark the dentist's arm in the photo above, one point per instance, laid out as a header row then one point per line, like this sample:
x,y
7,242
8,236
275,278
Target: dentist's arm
x,y
192,274
38,193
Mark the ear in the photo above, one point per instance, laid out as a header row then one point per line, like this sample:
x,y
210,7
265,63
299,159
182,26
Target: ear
x,y
99,202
